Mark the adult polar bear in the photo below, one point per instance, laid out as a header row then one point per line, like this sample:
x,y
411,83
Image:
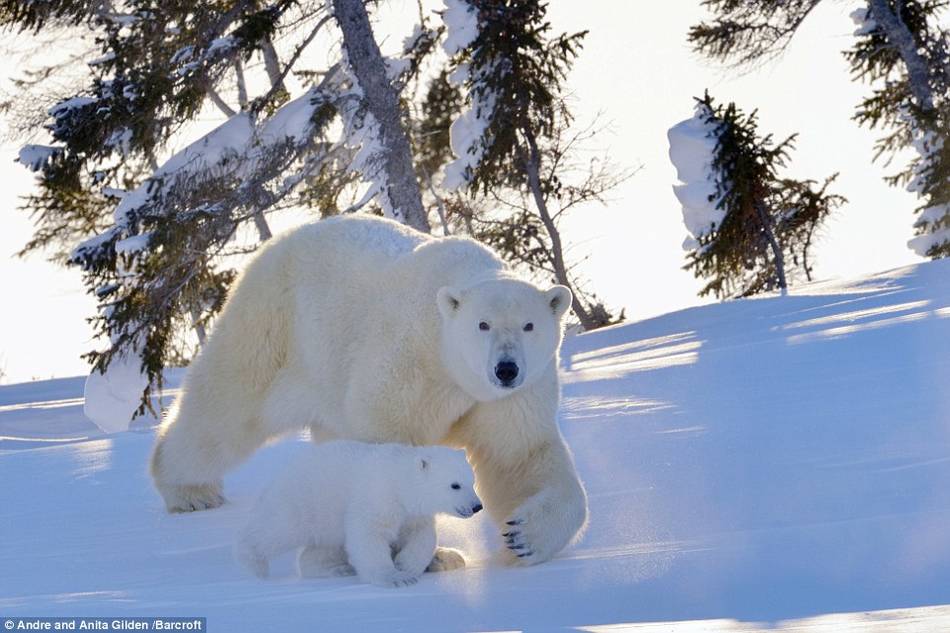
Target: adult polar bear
x,y
360,328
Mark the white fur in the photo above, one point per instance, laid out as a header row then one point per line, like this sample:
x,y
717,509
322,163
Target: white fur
x,y
361,328
359,508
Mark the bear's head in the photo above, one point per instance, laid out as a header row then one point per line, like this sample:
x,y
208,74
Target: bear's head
x,y
443,483
500,334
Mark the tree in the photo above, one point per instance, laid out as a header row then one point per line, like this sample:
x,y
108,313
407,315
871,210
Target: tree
x,y
751,230
511,221
515,134
902,49
159,228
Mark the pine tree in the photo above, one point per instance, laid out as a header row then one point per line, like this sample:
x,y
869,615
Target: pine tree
x,y
903,50
511,141
751,229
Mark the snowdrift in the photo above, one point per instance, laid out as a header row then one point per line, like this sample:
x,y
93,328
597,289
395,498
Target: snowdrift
x,y
774,462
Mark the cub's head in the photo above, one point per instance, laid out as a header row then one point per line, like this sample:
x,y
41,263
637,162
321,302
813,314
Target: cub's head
x,y
444,483
500,334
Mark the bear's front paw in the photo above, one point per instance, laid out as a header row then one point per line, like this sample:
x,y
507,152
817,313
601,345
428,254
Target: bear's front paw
x,y
193,497
397,579
540,528
446,559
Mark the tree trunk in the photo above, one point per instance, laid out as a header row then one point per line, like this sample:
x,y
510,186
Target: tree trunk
x,y
263,229
901,38
198,326
216,99
241,84
382,101
439,206
532,166
272,64
773,243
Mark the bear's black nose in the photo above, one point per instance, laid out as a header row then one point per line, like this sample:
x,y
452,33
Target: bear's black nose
x,y
506,371
476,509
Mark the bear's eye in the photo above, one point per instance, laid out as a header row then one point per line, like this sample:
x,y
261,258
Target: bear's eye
x,y
528,327
456,487
484,327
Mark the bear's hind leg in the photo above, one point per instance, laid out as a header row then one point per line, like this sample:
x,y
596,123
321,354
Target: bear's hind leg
x,y
323,562
192,454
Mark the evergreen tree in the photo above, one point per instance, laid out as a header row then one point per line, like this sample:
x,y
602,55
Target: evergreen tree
x,y
903,50
751,229
515,134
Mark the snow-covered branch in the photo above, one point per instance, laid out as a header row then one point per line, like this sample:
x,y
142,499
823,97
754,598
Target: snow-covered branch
x,y
901,38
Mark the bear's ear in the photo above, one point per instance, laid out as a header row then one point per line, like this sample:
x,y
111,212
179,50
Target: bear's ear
x,y
423,464
448,300
559,298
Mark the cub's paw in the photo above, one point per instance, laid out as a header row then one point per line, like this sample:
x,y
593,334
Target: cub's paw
x,y
398,579
446,559
339,571
193,497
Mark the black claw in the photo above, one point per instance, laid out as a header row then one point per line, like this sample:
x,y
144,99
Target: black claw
x,y
516,547
525,555
514,522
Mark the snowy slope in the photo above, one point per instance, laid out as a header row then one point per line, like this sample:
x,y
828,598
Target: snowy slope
x,y
755,464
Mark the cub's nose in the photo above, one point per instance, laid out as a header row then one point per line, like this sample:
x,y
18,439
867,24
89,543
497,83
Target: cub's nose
x,y
506,371
476,508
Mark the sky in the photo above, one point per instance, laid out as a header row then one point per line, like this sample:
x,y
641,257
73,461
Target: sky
x,y
638,71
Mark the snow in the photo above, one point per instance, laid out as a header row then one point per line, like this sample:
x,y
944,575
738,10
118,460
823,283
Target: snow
x,y
692,149
35,157
461,22
108,57
928,145
124,20
865,25
933,214
224,44
70,104
110,399
133,244
120,139
780,463
465,137
396,67
291,121
113,192
459,75
184,53
923,243
409,42
225,140
467,132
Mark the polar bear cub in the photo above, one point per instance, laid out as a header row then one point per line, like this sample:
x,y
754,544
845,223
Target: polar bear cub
x,y
357,508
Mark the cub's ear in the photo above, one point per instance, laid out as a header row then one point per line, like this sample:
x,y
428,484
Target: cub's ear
x,y
559,298
423,464
448,301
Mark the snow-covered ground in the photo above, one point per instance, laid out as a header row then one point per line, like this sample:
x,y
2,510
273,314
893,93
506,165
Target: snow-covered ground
x,y
777,463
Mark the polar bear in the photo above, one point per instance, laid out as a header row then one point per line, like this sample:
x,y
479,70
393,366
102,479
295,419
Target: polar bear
x,y
360,508
361,328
